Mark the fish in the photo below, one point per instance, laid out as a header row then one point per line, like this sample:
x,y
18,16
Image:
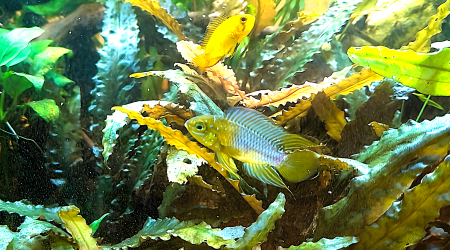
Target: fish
x,y
221,39
265,149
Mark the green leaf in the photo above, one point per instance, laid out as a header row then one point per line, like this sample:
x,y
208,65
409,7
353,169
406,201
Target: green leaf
x,y
258,231
6,236
95,224
44,61
429,73
181,164
29,210
173,191
430,102
48,8
15,83
59,79
186,230
326,244
13,42
38,47
395,161
418,207
76,225
47,109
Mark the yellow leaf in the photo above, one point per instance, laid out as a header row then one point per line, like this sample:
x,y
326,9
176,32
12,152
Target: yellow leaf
x,y
318,6
265,14
379,128
328,112
181,142
77,227
423,42
346,86
155,9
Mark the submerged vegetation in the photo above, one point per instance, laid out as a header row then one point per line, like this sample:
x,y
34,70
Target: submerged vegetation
x,y
96,151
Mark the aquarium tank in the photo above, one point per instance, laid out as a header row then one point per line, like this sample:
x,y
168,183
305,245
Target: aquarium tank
x,y
224,124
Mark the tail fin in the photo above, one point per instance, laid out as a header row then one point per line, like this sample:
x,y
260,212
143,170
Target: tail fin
x,y
299,165
201,61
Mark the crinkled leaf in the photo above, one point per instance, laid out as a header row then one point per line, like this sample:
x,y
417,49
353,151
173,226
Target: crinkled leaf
x,y
6,236
395,161
379,128
32,211
423,37
329,113
343,87
76,225
181,164
173,191
167,227
428,73
187,86
258,231
265,14
355,100
170,111
418,207
13,42
47,109
155,9
326,244
180,141
44,61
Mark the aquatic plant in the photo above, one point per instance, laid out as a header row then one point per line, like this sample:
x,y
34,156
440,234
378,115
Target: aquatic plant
x,y
142,181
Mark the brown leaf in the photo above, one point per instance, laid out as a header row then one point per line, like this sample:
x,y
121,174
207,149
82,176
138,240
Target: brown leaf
x,y
181,142
291,27
328,112
379,128
155,9
171,111
265,14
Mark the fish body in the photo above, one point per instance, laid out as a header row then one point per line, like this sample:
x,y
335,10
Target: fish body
x,y
222,37
252,138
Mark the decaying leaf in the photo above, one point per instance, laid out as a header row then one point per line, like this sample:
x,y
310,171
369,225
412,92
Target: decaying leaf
x,y
418,207
289,29
428,73
155,9
395,161
170,111
181,165
181,142
328,112
423,37
77,227
265,14
379,128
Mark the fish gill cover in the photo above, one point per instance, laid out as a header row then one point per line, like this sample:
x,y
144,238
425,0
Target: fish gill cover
x,y
75,174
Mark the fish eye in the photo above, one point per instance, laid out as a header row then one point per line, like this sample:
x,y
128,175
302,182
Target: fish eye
x,y
243,19
200,126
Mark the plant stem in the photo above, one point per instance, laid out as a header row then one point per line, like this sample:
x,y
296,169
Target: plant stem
x,y
423,107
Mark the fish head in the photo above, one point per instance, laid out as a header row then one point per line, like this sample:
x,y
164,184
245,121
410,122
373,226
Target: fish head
x,y
244,24
204,129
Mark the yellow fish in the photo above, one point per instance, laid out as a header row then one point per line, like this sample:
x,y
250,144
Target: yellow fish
x,y
222,37
252,138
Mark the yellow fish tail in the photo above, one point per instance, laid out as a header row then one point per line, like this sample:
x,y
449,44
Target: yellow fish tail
x,y
201,62
299,165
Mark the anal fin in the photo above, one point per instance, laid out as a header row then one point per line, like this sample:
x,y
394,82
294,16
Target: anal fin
x,y
227,161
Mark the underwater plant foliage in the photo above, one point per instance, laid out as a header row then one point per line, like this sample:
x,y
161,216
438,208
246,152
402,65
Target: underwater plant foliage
x,y
106,161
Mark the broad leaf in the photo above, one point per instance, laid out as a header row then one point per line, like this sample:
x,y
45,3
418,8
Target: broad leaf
x,y
326,244
13,42
15,83
44,61
428,73
47,109
76,225
265,14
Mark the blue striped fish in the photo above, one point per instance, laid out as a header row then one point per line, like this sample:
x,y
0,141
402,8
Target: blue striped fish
x,y
265,149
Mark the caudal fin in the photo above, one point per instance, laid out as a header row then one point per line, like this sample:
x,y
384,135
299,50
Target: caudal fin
x,y
299,165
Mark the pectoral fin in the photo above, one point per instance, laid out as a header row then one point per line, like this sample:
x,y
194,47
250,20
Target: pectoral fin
x,y
227,161
264,173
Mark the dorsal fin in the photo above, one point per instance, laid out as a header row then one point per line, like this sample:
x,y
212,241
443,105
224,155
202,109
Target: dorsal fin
x,y
211,27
